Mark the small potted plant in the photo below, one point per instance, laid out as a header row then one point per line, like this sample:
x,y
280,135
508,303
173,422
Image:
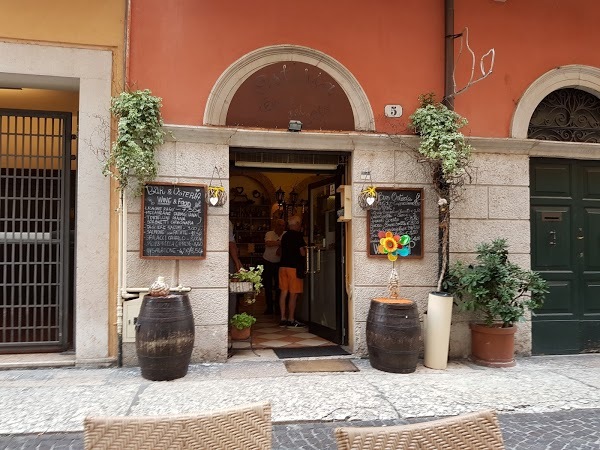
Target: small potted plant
x,y
247,281
502,292
241,325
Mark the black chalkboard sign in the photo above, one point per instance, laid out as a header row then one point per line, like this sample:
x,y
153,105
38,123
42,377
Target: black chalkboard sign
x,y
173,222
399,211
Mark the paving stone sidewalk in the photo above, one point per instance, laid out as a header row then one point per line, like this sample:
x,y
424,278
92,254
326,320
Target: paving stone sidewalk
x,y
578,429
543,402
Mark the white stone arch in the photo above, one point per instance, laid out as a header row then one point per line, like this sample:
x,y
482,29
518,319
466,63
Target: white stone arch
x,y
573,76
232,78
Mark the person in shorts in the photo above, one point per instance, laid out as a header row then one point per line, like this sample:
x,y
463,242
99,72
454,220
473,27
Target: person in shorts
x,y
293,249
272,256
234,266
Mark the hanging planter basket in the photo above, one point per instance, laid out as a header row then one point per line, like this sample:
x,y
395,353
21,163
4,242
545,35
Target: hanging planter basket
x,y
368,198
248,299
216,193
240,287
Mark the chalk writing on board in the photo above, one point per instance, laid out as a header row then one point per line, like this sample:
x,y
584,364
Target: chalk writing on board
x,y
399,211
174,221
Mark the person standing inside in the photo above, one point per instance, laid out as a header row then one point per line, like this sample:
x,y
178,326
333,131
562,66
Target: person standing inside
x,y
234,266
272,256
293,249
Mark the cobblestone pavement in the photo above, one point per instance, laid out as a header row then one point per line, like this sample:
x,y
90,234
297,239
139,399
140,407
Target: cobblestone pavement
x,y
578,429
543,403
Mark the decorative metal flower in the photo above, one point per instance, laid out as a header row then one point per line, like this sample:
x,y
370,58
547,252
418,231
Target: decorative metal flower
x,y
393,245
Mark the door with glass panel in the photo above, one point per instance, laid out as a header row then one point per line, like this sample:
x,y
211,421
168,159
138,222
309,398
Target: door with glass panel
x,y
325,262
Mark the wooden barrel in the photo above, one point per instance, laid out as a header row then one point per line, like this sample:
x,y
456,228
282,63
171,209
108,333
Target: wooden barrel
x,y
393,335
165,337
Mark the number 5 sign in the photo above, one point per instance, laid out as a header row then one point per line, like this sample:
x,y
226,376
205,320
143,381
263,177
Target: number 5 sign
x,y
393,110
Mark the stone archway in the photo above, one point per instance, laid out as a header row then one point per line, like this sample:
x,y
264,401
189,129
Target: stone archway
x,y
232,78
573,76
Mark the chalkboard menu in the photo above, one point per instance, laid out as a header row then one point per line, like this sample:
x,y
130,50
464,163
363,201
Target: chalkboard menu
x,y
399,211
173,221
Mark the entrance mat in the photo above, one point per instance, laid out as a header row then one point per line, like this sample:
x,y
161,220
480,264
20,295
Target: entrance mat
x,y
309,352
321,365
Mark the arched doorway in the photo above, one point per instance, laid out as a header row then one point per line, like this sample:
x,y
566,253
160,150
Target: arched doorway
x,y
266,89
565,225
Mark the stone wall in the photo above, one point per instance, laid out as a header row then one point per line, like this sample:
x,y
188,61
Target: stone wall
x,y
190,162
496,204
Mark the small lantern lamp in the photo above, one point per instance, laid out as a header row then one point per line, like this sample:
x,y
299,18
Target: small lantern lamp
x,y
280,196
216,195
293,197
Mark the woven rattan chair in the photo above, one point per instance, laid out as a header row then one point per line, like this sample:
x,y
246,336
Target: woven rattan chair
x,y
475,431
245,427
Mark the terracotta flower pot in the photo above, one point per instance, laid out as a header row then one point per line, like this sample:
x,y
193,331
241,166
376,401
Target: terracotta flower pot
x,y
493,346
240,335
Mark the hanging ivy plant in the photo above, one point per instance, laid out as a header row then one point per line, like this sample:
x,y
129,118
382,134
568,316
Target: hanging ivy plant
x,y
139,132
441,141
444,148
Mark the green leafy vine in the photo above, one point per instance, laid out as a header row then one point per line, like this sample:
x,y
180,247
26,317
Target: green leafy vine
x,y
139,133
441,141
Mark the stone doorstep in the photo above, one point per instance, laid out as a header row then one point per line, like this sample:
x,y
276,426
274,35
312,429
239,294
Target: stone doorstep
x,y
36,360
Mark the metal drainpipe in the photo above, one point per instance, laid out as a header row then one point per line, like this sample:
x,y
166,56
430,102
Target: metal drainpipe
x,y
448,101
448,52
121,281
121,278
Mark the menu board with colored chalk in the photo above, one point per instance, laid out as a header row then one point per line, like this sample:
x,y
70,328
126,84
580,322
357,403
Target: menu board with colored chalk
x,y
400,211
173,224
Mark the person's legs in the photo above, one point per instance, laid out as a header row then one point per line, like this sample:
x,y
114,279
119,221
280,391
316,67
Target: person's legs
x,y
283,283
296,287
282,297
269,277
292,306
276,290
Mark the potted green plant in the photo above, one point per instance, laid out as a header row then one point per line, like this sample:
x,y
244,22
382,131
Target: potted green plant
x,y
241,325
444,149
247,280
502,292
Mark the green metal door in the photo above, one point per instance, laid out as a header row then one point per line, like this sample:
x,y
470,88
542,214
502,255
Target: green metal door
x,y
565,228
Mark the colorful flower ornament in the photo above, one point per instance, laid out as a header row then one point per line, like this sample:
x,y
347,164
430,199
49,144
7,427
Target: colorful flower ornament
x,y
393,245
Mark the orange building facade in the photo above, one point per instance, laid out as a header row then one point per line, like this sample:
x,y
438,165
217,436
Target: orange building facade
x,y
232,77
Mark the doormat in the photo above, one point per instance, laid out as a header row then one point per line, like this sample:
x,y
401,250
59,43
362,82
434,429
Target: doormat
x,y
308,352
321,365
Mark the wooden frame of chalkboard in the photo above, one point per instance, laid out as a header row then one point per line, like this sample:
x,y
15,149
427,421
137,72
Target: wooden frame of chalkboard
x,y
173,223
400,210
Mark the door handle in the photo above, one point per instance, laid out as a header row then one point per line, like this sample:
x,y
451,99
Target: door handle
x,y
552,240
312,258
581,236
310,255
318,268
